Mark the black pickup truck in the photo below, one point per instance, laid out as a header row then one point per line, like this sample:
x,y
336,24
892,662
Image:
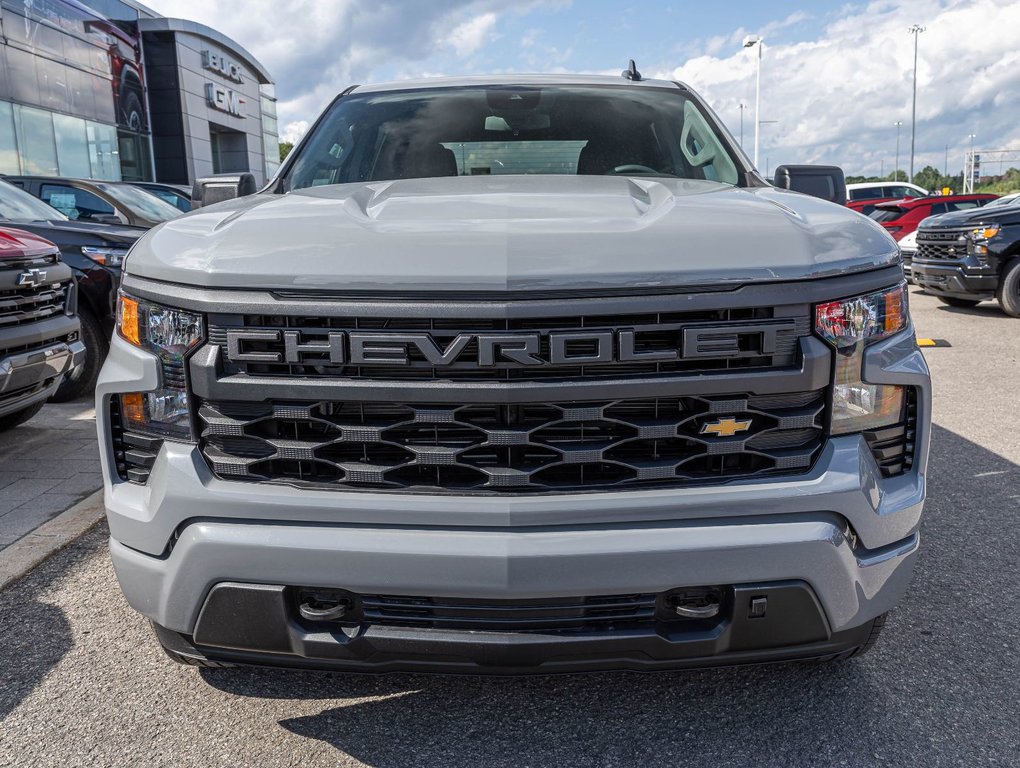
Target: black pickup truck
x,y
966,257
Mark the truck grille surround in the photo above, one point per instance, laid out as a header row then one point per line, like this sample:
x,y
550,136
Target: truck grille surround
x,y
347,442
941,244
30,304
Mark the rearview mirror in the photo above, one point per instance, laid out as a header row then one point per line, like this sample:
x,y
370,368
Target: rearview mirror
x,y
824,181
223,186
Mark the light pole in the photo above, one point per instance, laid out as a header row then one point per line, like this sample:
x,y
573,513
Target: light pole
x,y
915,30
968,182
742,107
749,42
896,168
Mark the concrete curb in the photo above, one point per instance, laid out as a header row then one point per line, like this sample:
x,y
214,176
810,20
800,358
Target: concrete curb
x,y
27,552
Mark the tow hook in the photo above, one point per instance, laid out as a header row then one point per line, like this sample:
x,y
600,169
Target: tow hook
x,y
696,604
324,607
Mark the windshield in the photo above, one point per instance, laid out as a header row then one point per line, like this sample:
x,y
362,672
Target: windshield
x,y
498,130
17,205
886,214
140,202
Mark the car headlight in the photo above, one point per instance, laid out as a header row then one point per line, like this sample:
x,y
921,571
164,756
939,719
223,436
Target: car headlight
x,y
850,325
170,334
984,233
108,257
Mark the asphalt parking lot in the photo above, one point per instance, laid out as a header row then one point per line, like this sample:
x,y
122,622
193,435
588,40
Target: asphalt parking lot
x,y
82,681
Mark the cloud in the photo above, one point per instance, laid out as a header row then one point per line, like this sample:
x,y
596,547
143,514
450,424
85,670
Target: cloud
x,y
293,131
837,96
468,37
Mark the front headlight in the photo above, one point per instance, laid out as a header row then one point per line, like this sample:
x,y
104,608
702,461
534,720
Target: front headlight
x,y
850,325
108,257
170,334
984,233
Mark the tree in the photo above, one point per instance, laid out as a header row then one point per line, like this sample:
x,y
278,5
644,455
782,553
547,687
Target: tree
x,y
285,148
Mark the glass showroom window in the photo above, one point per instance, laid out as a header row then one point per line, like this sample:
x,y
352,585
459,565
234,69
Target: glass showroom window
x,y
9,160
72,147
33,129
104,153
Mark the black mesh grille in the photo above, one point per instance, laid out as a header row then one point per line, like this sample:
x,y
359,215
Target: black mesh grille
x,y
652,332
515,448
941,244
567,613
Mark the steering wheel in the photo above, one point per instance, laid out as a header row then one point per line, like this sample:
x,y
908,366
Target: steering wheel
x,y
632,168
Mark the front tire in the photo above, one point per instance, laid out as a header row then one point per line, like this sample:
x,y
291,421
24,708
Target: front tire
x,y
955,301
82,380
12,420
1008,294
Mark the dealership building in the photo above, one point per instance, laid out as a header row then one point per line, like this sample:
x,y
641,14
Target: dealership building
x,y
108,89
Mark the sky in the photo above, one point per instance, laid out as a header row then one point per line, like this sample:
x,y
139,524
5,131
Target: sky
x,y
836,76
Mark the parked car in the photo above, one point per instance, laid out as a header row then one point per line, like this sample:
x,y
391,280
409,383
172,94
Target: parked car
x,y
902,217
967,257
39,333
101,202
95,253
1013,198
515,375
177,195
883,190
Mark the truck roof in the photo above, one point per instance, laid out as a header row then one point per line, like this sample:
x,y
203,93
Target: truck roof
x,y
511,79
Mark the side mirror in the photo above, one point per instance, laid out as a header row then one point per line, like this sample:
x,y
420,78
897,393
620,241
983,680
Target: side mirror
x,y
824,181
224,186
105,218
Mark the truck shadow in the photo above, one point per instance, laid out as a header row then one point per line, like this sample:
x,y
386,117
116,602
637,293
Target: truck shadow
x,y
942,674
34,634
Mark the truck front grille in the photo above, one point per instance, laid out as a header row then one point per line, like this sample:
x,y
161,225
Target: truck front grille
x,y
658,343
568,613
31,304
538,447
941,244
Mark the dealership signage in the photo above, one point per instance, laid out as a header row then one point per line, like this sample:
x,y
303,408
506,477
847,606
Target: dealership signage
x,y
220,97
217,62
225,100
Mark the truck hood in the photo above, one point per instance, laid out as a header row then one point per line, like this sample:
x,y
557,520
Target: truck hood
x,y
1007,214
517,233
113,234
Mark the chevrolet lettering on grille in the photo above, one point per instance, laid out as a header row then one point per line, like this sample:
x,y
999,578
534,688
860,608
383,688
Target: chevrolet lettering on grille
x,y
485,350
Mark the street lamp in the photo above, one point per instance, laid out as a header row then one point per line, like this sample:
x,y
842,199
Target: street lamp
x,y
896,168
743,106
915,30
749,42
968,183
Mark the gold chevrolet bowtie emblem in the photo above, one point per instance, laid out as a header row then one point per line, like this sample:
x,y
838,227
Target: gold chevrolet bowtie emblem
x,y
726,427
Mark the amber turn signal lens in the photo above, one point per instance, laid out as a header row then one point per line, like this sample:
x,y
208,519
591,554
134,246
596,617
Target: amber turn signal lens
x,y
127,319
133,406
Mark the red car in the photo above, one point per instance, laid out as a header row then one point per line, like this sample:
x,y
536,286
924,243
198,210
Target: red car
x,y
901,217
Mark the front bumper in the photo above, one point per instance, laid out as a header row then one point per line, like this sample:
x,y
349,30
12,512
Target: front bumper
x,y
843,530
31,376
965,279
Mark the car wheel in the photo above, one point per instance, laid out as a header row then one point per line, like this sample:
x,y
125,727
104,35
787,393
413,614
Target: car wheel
x,y
132,112
1009,289
11,420
955,301
82,380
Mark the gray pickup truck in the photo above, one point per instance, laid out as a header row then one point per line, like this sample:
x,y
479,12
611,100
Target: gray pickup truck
x,y
515,375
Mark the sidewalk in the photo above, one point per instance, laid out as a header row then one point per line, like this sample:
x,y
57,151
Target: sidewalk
x,y
46,466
